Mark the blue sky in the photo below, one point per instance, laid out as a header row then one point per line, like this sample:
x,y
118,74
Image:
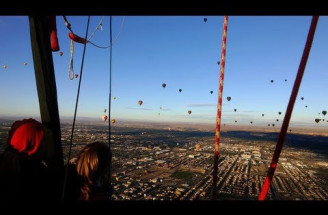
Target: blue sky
x,y
181,51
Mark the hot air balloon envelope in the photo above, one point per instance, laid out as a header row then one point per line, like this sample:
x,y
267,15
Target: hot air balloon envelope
x,y
104,118
228,98
140,102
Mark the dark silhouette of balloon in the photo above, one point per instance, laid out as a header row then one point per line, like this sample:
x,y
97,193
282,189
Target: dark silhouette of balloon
x,y
277,120
211,92
180,90
279,113
61,53
235,110
290,130
25,64
271,81
317,120
324,112
228,98
285,80
105,110
163,85
236,121
76,75
218,62
272,125
262,114
189,112
140,102
306,106
268,124
251,122
302,98
205,19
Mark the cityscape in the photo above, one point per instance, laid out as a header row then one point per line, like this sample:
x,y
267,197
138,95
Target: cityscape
x,y
177,163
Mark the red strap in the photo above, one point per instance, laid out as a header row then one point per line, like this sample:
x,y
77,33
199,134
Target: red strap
x,y
283,131
76,38
53,34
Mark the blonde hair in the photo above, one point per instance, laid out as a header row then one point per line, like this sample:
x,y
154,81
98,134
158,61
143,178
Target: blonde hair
x,y
93,163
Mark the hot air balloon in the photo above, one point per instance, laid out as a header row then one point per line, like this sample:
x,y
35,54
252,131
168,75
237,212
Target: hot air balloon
x,y
306,106
189,112
25,64
302,98
113,121
228,98
323,119
285,80
114,97
76,75
140,102
163,85
105,110
279,113
271,81
180,90
61,53
211,92
272,125
104,117
5,66
235,110
235,121
277,120
251,122
268,124
160,108
218,62
290,130
324,112
317,120
205,19
262,114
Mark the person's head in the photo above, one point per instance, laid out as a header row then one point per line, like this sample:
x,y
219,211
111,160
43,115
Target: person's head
x,y
26,137
93,166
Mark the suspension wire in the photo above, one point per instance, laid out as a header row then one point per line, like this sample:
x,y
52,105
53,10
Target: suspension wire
x,y
109,100
110,75
67,24
76,104
219,109
284,127
96,29
112,43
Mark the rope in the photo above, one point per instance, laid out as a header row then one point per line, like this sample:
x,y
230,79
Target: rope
x,y
70,65
282,135
77,101
219,108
